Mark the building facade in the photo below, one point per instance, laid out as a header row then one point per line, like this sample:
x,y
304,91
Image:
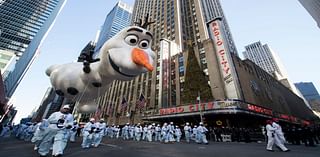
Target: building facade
x,y
7,60
51,102
196,74
117,19
313,7
23,27
177,24
268,60
3,99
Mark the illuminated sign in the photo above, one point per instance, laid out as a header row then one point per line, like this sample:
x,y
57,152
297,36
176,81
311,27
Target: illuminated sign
x,y
165,69
199,107
260,109
287,117
225,62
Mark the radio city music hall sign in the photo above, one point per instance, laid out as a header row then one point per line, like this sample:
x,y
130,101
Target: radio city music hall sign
x,y
198,107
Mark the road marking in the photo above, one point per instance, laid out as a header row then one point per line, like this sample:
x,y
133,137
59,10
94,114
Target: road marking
x,y
111,145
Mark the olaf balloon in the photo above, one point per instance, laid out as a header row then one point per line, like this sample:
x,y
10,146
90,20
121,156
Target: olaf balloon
x,y
123,57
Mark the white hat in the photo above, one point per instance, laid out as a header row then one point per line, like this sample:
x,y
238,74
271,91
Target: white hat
x,y
92,119
201,123
101,119
171,122
187,123
66,107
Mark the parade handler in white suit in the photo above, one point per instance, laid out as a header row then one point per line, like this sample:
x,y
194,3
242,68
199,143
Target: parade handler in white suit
x,y
88,133
187,132
272,139
40,132
201,133
101,126
73,131
59,123
280,136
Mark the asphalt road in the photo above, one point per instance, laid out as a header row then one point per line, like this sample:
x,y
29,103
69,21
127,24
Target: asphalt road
x,y
12,147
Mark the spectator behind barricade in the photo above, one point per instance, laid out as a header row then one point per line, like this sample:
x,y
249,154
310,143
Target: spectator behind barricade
x,y
218,133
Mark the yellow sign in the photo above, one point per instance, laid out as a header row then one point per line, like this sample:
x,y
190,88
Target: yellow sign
x,y
219,122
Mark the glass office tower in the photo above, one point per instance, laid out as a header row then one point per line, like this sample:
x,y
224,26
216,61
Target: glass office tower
x,y
117,19
23,26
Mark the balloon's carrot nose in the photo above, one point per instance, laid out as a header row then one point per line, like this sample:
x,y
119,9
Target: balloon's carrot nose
x,y
141,58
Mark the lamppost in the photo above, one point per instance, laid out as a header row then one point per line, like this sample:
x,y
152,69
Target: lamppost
x,y
200,110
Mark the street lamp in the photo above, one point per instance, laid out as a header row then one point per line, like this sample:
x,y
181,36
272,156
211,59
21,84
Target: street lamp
x,y
200,110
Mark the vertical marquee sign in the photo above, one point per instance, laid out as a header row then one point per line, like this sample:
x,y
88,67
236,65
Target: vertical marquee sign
x,y
227,69
165,68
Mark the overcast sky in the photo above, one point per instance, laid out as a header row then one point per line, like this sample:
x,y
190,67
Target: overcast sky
x,y
282,24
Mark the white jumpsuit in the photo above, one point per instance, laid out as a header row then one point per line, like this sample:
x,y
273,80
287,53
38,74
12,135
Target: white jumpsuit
x,y
56,131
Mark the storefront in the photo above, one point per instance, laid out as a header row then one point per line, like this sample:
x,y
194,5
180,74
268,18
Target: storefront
x,y
228,113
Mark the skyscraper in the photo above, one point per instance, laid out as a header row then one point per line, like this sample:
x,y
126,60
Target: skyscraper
x,y
197,70
313,7
265,58
177,24
212,9
268,60
117,19
23,27
308,90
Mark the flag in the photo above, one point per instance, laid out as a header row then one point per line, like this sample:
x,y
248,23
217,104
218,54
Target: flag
x,y
124,104
141,102
110,109
98,112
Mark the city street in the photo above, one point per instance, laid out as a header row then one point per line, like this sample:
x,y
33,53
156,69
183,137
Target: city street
x,y
118,148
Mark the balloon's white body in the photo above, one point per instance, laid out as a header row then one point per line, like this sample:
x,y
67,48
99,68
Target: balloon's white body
x,y
115,63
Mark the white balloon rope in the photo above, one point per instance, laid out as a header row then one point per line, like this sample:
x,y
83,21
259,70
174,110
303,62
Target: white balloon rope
x,y
79,98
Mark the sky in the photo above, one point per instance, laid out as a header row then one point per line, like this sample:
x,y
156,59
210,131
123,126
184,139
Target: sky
x,y
284,25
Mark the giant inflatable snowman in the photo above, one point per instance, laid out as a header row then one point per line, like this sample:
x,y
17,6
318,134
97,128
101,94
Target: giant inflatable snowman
x,y
123,57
